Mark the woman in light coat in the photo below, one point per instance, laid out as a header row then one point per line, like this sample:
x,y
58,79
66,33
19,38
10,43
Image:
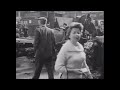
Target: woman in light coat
x,y
71,58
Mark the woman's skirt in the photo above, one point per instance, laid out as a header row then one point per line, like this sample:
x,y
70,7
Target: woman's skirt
x,y
72,75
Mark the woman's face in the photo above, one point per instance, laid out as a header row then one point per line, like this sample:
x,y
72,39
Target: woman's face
x,y
75,34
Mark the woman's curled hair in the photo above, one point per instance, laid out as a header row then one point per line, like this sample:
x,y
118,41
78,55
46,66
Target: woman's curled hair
x,y
74,25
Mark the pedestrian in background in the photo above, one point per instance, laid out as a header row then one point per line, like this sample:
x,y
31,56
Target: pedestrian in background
x,y
44,46
65,28
25,31
89,26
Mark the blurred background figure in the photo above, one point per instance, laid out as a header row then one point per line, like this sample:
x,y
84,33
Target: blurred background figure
x,y
65,28
56,25
25,31
89,26
100,29
102,26
17,33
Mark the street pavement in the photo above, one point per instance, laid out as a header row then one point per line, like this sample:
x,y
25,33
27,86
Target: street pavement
x,y
25,69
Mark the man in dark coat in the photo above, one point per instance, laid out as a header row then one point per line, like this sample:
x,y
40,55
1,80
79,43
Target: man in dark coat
x,y
25,30
99,55
56,24
89,26
44,45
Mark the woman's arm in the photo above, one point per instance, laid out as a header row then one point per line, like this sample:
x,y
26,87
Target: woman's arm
x,y
60,64
88,73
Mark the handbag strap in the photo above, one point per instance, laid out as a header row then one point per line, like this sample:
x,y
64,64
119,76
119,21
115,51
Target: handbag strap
x,y
66,72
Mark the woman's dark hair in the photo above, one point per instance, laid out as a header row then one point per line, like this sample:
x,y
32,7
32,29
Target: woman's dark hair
x,y
73,25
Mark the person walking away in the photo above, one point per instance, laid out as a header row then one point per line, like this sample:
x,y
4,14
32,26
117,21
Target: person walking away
x,y
89,26
44,49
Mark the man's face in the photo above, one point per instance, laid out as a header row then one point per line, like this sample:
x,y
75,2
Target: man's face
x,y
39,22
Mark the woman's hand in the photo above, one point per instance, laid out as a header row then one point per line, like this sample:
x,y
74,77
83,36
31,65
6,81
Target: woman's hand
x,y
74,70
89,75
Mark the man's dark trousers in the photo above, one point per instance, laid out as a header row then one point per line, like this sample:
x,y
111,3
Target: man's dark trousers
x,y
39,63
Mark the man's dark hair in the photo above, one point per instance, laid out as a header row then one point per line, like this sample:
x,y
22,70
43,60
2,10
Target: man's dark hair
x,y
43,20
